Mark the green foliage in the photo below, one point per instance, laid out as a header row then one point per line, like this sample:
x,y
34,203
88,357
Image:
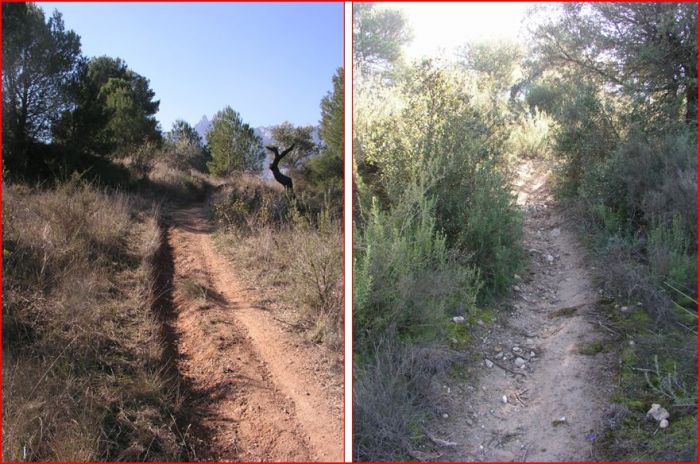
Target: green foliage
x,y
285,135
80,127
531,136
182,131
437,231
183,147
233,144
39,58
497,63
646,50
407,281
442,136
650,186
621,82
113,112
331,126
129,101
491,231
584,135
672,255
325,171
378,35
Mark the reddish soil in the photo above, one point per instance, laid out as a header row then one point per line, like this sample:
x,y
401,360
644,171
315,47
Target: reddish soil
x,y
251,386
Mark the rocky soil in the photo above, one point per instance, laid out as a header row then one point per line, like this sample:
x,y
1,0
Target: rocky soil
x,y
538,389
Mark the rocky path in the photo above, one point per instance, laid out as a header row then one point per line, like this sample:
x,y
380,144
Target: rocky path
x,y
539,389
250,387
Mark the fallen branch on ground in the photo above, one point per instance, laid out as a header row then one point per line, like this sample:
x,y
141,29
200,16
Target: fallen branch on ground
x,y
438,441
506,368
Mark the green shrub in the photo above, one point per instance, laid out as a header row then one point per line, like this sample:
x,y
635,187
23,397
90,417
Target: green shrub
x,y
408,282
672,257
479,218
531,136
448,140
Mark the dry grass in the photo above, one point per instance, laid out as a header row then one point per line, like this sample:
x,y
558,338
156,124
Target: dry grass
x,y
297,263
164,174
83,375
393,395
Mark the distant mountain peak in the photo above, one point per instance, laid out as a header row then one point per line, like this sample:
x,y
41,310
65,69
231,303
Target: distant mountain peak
x,y
202,127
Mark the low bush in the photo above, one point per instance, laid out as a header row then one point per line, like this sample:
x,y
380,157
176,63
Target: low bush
x,y
531,136
391,391
295,259
246,202
407,286
407,282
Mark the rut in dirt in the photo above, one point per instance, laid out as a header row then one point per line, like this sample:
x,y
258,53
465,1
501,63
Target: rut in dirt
x,y
243,399
540,389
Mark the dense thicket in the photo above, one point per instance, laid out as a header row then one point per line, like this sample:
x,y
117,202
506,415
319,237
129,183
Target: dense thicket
x,y
437,231
620,83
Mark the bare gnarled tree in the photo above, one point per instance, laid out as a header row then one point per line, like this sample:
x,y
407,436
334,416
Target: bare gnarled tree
x,y
274,167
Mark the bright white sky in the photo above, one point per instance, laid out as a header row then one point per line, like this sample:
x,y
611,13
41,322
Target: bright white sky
x,y
441,26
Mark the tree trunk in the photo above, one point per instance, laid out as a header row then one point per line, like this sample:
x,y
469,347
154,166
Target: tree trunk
x,y
286,181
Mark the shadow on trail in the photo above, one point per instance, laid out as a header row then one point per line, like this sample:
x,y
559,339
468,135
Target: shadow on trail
x,y
189,427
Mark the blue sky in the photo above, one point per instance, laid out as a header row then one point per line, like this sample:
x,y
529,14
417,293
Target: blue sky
x,y
271,62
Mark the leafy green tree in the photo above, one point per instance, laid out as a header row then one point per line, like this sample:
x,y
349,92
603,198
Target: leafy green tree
x,y
326,170
233,144
647,51
183,131
378,35
114,110
286,134
130,101
39,58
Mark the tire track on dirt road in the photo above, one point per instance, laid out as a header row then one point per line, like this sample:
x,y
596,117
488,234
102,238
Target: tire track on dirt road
x,y
250,393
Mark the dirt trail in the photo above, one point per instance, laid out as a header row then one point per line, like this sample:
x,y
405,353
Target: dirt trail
x,y
250,387
554,406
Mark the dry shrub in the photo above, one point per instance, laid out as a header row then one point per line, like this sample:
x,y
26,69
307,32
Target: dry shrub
x,y
175,183
296,260
315,275
83,376
392,398
246,202
298,267
169,173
